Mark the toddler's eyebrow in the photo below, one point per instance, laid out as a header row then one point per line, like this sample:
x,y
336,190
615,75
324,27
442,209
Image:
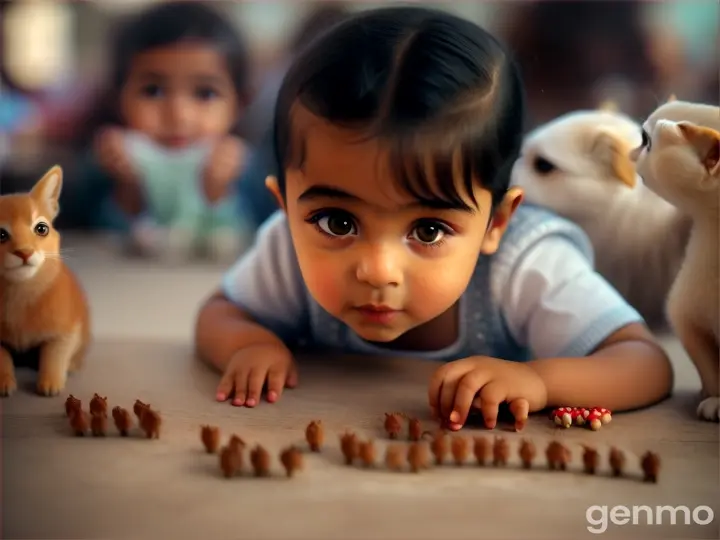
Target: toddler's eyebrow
x,y
329,192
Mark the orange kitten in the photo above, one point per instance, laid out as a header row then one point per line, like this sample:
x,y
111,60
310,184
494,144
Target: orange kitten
x,y
680,161
42,302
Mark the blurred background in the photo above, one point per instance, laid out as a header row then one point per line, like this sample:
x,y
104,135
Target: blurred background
x,y
573,55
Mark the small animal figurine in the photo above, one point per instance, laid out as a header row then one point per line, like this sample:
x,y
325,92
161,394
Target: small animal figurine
x,y
123,420
260,460
72,405
395,457
650,463
414,429
210,437
349,447
80,423
43,303
315,435
236,442
680,162
481,450
98,404
591,459
459,448
527,453
393,424
366,452
230,461
617,461
292,460
139,407
558,456
98,424
150,422
439,447
501,452
418,456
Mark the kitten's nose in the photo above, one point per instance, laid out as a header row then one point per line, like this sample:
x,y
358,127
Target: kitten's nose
x,y
24,254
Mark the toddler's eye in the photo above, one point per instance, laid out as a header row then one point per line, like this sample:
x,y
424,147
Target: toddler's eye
x,y
336,224
205,93
42,229
429,233
152,90
4,236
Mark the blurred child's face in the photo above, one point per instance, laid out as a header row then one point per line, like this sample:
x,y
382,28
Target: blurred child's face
x,y
371,255
179,94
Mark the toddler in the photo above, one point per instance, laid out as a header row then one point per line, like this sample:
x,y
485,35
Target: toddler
x,y
394,136
179,78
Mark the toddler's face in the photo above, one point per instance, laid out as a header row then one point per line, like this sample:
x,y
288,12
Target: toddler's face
x,y
371,255
179,94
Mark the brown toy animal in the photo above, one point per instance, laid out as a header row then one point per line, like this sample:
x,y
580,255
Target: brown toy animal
x,y
236,442
123,420
650,463
414,429
260,460
481,449
527,453
292,460
459,448
98,404
43,303
139,407
80,423
393,424
439,447
349,447
72,405
150,422
501,452
617,461
418,456
230,461
395,457
591,459
98,424
557,455
210,437
315,435
366,452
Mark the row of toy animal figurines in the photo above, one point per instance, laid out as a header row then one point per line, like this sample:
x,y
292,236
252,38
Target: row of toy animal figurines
x,y
598,168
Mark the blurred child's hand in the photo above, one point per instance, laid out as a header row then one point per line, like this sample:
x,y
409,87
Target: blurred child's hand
x,y
249,370
484,383
223,167
111,154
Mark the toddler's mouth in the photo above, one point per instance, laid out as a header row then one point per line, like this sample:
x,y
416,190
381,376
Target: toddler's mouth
x,y
376,313
176,142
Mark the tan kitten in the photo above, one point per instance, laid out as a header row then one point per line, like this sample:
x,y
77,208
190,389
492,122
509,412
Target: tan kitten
x,y
579,166
680,161
41,302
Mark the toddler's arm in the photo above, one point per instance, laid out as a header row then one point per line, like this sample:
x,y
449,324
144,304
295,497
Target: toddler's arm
x,y
593,349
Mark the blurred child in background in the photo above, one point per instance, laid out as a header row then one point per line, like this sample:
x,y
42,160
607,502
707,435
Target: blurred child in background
x,y
179,75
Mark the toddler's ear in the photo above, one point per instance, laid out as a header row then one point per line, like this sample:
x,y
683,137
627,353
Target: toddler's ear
x,y
272,184
500,220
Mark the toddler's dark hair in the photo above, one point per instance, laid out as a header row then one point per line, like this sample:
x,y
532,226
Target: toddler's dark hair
x,y
434,87
166,24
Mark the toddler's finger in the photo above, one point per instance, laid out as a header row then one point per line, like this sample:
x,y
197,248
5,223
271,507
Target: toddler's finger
x,y
241,384
520,408
275,383
491,396
467,389
291,380
255,383
225,386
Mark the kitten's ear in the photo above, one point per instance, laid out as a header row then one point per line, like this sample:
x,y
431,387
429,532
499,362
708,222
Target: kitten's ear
x,y
671,98
706,143
47,190
614,155
608,106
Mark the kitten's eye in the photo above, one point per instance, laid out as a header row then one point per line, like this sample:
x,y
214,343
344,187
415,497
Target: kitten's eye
x,y
543,166
4,236
646,140
42,229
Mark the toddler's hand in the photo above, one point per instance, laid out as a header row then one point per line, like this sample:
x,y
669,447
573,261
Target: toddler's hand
x,y
111,154
485,383
223,166
250,368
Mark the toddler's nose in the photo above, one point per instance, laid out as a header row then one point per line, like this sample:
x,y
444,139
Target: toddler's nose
x,y
379,267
